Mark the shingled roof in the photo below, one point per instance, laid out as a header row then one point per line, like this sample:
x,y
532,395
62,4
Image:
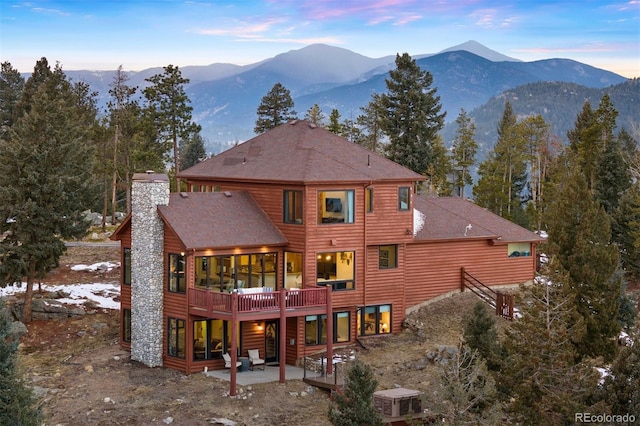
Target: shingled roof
x,y
300,152
448,218
203,220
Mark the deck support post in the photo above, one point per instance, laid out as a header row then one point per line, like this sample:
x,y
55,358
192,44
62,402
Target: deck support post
x,y
282,356
234,343
329,331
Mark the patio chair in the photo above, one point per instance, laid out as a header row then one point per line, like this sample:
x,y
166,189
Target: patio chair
x,y
227,361
254,358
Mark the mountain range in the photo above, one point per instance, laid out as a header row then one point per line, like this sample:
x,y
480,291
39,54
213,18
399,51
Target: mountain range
x,y
225,97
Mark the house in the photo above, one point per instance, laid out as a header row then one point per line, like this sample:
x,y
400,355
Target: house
x,y
292,243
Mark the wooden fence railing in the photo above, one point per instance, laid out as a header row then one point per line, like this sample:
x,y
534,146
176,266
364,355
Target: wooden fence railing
x,y
503,303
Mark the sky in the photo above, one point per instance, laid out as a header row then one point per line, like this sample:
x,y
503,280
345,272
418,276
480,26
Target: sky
x,y
102,35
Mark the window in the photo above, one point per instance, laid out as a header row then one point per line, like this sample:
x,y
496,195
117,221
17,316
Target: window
x,y
374,320
126,325
388,256
336,269
404,198
177,282
126,266
335,207
294,269
315,330
225,273
368,195
292,207
519,249
211,338
177,338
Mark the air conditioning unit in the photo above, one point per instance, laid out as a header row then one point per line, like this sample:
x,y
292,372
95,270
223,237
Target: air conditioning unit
x,y
397,402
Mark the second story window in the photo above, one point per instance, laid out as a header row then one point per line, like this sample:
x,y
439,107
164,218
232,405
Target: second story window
x,y
335,207
404,198
292,207
336,269
368,194
177,282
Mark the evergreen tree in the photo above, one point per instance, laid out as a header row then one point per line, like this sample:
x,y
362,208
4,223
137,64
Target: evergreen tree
x,y
467,392
169,108
276,108
439,170
41,73
334,122
369,122
621,388
613,177
480,335
45,182
503,173
409,115
353,406
544,382
192,152
17,403
463,152
626,230
315,115
580,238
534,131
11,86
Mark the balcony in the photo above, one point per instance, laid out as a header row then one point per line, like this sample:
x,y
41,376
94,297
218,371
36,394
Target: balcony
x,y
258,304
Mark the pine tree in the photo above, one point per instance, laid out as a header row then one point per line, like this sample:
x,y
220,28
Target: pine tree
x,y
11,86
17,403
467,392
369,122
503,173
334,122
169,108
276,108
353,406
580,238
315,115
613,177
409,114
192,152
545,384
621,388
45,182
439,170
463,152
480,335
626,230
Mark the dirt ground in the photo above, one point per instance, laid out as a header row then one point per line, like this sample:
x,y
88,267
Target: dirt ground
x,y
84,378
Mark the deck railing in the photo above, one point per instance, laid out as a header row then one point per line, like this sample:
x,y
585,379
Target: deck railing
x,y
503,303
257,301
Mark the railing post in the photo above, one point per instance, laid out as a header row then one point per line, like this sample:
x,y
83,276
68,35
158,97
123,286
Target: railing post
x,y
329,331
462,280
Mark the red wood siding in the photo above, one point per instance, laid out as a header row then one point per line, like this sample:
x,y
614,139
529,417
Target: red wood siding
x,y
435,267
386,224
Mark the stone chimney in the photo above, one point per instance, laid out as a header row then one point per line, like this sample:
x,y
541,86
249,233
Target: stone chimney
x,y
149,190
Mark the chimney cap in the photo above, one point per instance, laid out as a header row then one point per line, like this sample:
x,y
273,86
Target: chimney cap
x,y
149,176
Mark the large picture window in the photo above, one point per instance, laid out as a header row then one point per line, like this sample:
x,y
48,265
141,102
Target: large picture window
x,y
336,206
374,320
126,266
336,269
211,338
226,273
315,330
177,338
292,207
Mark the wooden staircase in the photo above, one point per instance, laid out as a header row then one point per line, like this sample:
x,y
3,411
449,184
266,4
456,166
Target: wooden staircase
x,y
503,303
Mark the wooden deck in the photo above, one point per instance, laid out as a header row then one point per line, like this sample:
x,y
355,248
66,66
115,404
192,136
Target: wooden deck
x,y
331,382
